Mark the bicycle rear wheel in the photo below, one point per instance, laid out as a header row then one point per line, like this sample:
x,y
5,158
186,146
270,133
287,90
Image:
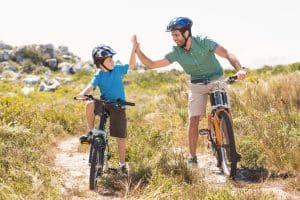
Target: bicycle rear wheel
x,y
228,149
96,164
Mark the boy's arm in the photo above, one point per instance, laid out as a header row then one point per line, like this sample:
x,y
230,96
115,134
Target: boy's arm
x,y
87,90
132,61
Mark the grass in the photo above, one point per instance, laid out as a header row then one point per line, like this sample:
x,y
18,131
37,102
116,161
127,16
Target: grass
x,y
266,122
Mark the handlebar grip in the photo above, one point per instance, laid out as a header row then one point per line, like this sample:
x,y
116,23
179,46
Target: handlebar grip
x,y
130,104
232,79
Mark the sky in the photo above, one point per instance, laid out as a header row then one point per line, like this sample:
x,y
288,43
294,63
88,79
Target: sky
x,y
258,32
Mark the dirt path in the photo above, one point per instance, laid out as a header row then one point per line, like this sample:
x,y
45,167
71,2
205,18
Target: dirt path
x,y
244,180
71,161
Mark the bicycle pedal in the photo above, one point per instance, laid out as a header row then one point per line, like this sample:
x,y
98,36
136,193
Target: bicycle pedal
x,y
203,131
208,145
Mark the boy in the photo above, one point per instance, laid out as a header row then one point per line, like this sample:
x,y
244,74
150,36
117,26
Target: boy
x,y
109,81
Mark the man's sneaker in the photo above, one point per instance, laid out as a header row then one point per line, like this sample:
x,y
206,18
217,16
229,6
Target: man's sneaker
x,y
122,168
193,160
86,138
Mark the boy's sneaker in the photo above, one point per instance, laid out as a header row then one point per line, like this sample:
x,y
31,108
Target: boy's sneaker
x,y
193,160
86,138
122,168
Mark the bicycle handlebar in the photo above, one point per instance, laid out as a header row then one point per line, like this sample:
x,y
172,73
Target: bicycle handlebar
x,y
231,79
117,102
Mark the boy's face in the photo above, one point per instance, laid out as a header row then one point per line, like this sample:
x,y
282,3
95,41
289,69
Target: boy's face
x,y
109,63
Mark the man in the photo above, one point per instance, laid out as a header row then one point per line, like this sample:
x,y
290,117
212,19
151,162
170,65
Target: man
x,y
196,55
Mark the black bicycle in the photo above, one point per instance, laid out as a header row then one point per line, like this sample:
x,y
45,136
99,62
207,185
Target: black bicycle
x,y
99,148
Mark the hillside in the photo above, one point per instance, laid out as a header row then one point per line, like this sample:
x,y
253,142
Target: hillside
x,y
34,121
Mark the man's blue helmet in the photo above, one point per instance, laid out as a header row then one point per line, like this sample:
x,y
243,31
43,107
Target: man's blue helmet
x,y
179,23
102,51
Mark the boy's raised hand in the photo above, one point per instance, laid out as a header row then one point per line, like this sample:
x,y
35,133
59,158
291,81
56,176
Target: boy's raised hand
x,y
134,40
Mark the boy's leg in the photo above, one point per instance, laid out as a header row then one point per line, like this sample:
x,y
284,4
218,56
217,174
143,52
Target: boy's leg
x,y
90,118
90,115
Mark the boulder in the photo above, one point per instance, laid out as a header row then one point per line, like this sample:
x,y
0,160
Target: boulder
x,y
9,67
49,85
27,90
64,50
66,68
51,63
4,56
5,46
31,80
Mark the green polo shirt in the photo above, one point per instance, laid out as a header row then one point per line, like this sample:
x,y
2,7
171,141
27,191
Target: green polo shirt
x,y
200,62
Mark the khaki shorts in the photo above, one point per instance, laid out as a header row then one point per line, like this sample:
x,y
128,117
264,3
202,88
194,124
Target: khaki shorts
x,y
117,119
198,98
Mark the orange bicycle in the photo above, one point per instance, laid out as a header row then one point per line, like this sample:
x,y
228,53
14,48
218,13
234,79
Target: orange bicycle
x,y
220,129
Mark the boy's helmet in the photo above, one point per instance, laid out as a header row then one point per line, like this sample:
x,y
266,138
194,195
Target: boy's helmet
x,y
102,51
179,23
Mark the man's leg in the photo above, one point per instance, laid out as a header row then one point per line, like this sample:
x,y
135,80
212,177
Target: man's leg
x,y
193,134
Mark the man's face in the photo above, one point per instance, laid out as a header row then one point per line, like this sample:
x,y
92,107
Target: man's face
x,y
109,63
177,37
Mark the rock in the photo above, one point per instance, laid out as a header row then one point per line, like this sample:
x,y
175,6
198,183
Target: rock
x,y
66,57
4,56
87,67
49,85
52,63
64,50
27,90
5,46
19,55
31,80
8,67
48,49
10,75
66,68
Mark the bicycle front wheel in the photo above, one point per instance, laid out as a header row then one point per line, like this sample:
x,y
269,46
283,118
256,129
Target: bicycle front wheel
x,y
96,164
228,149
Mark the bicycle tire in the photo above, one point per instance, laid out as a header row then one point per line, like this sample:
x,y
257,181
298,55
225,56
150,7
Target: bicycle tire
x,y
228,149
96,164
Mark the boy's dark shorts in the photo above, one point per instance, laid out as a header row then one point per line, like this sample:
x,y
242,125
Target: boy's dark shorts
x,y
117,119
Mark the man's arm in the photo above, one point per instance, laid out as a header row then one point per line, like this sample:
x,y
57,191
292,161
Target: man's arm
x,y
148,62
222,52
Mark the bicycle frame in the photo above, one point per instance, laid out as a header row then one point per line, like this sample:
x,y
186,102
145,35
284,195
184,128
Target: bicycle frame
x,y
213,121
